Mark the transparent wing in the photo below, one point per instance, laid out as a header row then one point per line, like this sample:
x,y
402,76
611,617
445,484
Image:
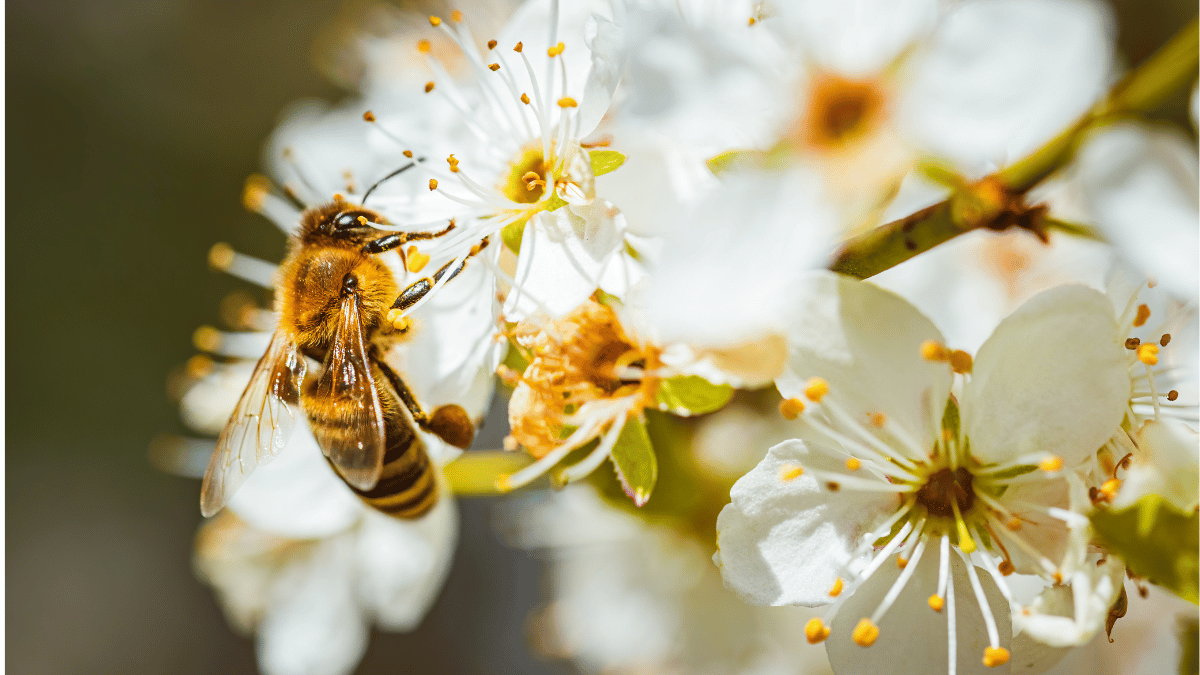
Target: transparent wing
x,y
260,425
356,445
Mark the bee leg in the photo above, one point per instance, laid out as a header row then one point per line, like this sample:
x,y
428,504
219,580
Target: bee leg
x,y
399,239
449,422
420,287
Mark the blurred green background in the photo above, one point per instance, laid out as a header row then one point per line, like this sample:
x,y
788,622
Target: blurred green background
x,y
130,128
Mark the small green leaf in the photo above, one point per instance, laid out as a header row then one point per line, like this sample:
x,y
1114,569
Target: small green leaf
x,y
633,458
1156,541
604,161
512,234
688,395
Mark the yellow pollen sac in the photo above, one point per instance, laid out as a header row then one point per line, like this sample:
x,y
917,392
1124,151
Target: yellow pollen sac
x,y
865,633
435,21
432,184
362,220
408,154
1006,567
1058,578
220,256
1142,315
1148,354
456,16
255,192
877,419
961,362
751,21
453,162
1110,488
995,656
789,473
416,260
1172,395
932,350
901,562
567,102
429,86
369,116
555,50
492,44
424,47
815,631
816,389
525,99
494,67
1165,339
518,47
837,588
1013,524
791,408
936,603
1051,464
1132,343
853,463
207,338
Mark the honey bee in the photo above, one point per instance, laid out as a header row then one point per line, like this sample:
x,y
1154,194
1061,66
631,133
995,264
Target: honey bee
x,y
336,303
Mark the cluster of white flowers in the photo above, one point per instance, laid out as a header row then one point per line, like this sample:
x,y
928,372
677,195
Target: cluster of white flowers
x,y
646,198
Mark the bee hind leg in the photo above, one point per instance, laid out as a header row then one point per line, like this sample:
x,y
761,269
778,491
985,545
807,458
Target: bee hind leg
x,y
449,422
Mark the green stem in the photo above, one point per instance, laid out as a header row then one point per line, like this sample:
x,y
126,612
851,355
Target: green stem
x,y
1172,67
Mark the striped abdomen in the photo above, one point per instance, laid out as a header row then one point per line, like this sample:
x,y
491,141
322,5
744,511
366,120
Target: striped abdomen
x,y
407,486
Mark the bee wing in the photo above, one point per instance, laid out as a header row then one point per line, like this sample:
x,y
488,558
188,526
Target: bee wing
x,y
356,448
260,425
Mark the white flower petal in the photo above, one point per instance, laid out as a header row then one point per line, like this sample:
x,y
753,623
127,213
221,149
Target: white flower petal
x,y
866,343
913,637
605,41
1167,465
1142,188
785,542
1004,76
858,38
753,237
1054,617
402,564
297,495
1052,378
314,625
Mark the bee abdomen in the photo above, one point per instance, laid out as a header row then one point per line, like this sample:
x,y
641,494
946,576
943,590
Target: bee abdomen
x,y
407,486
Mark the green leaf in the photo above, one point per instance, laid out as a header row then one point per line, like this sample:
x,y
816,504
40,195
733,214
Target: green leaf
x,y
688,395
1156,541
604,161
633,458
512,234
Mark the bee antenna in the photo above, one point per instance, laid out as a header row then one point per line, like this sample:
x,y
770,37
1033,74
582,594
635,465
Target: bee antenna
x,y
393,174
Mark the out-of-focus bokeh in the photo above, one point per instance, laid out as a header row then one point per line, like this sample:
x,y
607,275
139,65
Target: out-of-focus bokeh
x,y
131,126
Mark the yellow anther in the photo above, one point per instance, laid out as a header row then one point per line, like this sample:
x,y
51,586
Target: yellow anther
x,y
815,631
936,603
362,220
567,102
456,16
1110,488
791,408
853,463
435,21
1165,339
416,260
1051,464
369,116
556,50
816,389
429,86
408,154
865,633
1172,395
832,486
1013,524
932,350
1132,343
878,419
453,162
494,67
790,472
1148,354
492,44
994,656
510,443
1058,578
503,484
752,21
960,362
207,338
965,542
432,183
198,366
255,192
1142,315
901,562
1006,567
424,46
220,256
837,588
518,47
525,99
